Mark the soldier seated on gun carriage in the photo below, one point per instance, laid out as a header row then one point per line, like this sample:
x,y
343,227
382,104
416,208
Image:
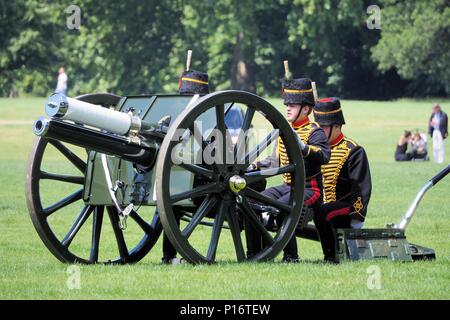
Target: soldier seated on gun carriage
x,y
299,100
346,179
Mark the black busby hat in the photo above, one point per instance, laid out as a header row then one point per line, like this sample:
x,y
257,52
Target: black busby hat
x,y
328,111
193,82
298,91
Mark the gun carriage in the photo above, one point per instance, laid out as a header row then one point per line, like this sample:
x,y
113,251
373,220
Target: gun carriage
x,y
143,160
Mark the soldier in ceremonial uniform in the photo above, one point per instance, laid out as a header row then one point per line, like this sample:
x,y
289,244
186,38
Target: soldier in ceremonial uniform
x,y
346,179
191,82
299,100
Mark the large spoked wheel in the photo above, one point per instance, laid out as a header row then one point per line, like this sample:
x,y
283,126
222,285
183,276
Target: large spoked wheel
x,y
227,194
61,217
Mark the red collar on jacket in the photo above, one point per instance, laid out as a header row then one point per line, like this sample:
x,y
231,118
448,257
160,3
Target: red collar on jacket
x,y
338,140
300,123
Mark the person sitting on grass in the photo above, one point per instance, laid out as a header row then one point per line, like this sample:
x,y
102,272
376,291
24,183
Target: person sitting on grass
x,y
401,153
419,147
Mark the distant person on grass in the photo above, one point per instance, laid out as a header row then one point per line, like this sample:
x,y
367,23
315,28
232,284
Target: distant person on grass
x,y
401,153
61,86
419,146
438,125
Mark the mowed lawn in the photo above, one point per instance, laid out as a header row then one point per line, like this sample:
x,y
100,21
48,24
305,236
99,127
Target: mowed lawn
x,y
29,271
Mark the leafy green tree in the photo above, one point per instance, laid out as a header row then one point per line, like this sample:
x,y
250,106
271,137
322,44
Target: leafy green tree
x,y
30,41
243,43
124,46
415,41
225,31
135,47
334,42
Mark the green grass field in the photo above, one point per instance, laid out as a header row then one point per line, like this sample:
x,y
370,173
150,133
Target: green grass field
x,y
29,271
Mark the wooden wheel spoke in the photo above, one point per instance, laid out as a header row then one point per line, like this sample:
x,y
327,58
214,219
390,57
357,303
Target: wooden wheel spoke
x,y
216,230
248,118
61,177
199,136
259,149
148,229
114,218
72,157
96,230
208,203
206,145
64,202
235,229
255,221
220,118
255,176
156,221
79,222
195,193
197,170
243,134
249,192
228,107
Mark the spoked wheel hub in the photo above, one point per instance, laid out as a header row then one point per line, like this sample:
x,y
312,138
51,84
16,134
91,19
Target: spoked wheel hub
x,y
237,183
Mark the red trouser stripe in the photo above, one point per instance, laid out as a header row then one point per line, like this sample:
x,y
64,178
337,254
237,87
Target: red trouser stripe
x,y
338,212
316,195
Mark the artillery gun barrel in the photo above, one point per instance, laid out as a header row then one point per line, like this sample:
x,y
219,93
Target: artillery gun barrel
x,y
64,108
144,154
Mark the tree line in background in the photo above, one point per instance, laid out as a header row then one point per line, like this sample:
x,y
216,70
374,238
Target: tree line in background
x,y
135,47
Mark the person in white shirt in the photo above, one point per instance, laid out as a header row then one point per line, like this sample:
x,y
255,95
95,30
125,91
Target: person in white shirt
x,y
419,146
61,86
438,131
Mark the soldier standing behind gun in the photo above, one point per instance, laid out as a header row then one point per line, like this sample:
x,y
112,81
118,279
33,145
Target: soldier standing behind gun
x,y
299,100
346,179
191,82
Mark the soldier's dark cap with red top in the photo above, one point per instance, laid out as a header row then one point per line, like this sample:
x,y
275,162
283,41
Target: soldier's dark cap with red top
x,y
193,82
328,111
298,91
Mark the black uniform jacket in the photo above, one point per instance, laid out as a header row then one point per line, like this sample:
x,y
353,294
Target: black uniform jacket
x,y
346,177
443,126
